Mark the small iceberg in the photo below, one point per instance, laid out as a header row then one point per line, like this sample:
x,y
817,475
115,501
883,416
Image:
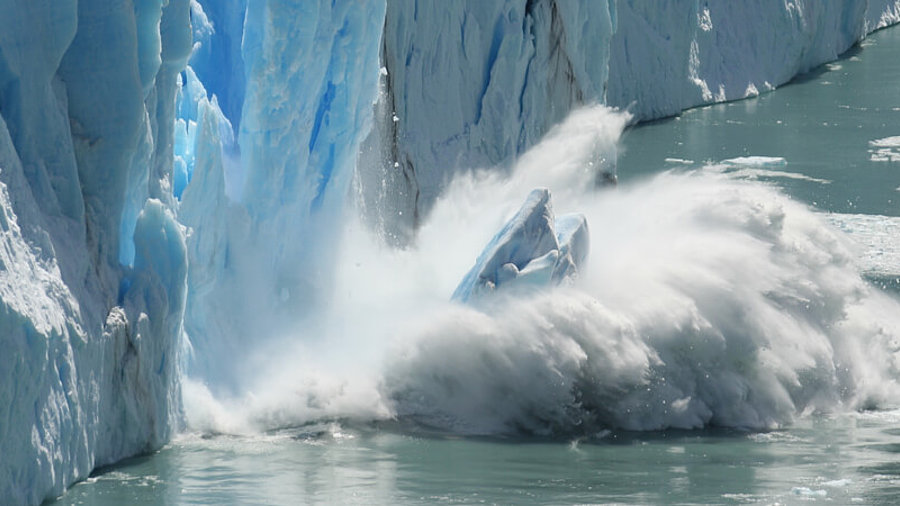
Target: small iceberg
x,y
885,150
756,161
532,249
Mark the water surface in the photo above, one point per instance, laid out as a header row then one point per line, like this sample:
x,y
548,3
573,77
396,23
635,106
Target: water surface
x,y
822,124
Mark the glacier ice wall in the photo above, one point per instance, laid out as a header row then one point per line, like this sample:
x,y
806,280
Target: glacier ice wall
x,y
217,60
93,261
499,74
107,187
266,208
669,56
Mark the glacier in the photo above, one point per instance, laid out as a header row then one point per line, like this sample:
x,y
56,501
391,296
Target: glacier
x,y
175,174
500,74
266,220
94,262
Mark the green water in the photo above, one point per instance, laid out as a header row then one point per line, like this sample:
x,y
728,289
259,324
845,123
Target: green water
x,y
822,125
844,459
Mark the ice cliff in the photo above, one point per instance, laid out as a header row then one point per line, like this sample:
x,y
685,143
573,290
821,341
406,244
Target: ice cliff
x,y
266,220
155,213
93,261
499,74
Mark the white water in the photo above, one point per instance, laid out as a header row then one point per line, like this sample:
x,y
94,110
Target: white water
x,y
707,300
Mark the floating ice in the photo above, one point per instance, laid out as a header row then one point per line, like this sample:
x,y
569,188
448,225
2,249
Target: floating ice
x,y
532,249
808,492
757,161
678,161
755,167
885,150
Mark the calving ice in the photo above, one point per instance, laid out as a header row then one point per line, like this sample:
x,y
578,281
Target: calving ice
x,y
189,190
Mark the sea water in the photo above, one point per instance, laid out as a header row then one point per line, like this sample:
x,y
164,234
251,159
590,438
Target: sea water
x,y
826,140
851,459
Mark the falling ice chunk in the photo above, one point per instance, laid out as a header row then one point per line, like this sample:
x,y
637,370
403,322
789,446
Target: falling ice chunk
x,y
532,249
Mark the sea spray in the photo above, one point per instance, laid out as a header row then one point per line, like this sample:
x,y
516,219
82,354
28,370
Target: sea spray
x,y
705,301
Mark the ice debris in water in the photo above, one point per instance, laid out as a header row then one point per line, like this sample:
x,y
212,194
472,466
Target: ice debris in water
x,y
532,249
885,150
756,161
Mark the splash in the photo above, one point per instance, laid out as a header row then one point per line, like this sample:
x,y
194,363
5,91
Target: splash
x,y
706,301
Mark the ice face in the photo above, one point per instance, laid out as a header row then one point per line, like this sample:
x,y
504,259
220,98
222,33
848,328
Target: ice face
x,y
218,28
497,74
500,74
90,323
574,244
533,249
266,208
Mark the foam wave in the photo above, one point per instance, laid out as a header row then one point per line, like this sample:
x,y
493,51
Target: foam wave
x,y
706,301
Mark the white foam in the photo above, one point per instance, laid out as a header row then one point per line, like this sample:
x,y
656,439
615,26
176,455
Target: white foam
x,y
705,300
775,174
756,167
885,150
693,279
808,492
679,161
757,161
887,142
